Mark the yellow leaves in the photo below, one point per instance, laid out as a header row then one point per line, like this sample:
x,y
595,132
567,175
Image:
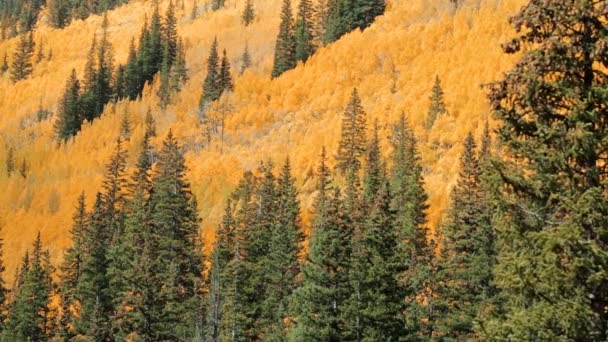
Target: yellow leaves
x,y
393,64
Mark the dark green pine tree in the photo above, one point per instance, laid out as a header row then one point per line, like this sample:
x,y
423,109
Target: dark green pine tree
x,y
4,67
93,291
437,108
175,216
353,140
553,214
364,12
31,317
211,92
248,13
465,267
285,48
222,255
304,31
3,290
150,125
317,306
22,58
217,4
71,270
125,126
120,87
155,45
102,87
59,11
10,161
170,33
410,205
334,21
164,91
70,115
225,78
88,82
284,252
179,70
245,59
133,77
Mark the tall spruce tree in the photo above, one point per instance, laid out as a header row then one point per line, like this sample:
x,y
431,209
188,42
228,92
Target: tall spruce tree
x,y
248,13
465,267
170,36
353,140
245,59
225,78
175,216
285,47
554,213
437,108
31,317
70,115
304,31
211,91
22,58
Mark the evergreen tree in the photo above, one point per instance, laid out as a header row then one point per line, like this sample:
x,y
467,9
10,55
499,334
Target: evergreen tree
x,y
4,66
125,126
353,140
248,13
217,4
285,48
22,59
179,71
225,78
31,317
410,205
155,45
284,251
552,218
70,118
175,217
245,59
3,289
59,13
465,267
437,108
211,92
170,33
164,91
150,124
10,161
133,78
304,31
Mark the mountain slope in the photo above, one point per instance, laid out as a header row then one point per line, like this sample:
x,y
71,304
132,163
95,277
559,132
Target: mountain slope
x,y
393,64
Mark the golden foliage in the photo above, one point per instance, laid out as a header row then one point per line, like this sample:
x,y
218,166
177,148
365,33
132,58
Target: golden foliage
x,y
393,64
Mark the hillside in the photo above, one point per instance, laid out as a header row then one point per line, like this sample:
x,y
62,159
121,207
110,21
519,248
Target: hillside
x,y
393,64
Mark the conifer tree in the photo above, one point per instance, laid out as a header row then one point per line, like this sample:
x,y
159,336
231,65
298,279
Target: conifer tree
x,y
150,125
211,92
437,108
284,252
248,13
70,115
245,59
465,267
304,31
22,58
217,4
3,289
175,216
31,316
410,204
164,91
285,48
552,217
155,45
179,71
170,33
10,161
125,126
133,77
353,140
4,66
225,78
59,13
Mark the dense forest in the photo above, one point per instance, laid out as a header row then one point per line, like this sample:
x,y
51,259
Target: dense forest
x,y
520,253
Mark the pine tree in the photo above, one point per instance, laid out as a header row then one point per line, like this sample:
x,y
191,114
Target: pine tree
x,y
59,13
304,31
31,316
150,124
179,71
10,161
437,108
217,4
4,66
133,77
170,33
22,59
3,289
71,269
245,59
125,126
175,216
225,78
364,12
211,92
410,205
155,45
465,267
69,116
164,91
248,13
285,48
284,252
353,140
553,212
